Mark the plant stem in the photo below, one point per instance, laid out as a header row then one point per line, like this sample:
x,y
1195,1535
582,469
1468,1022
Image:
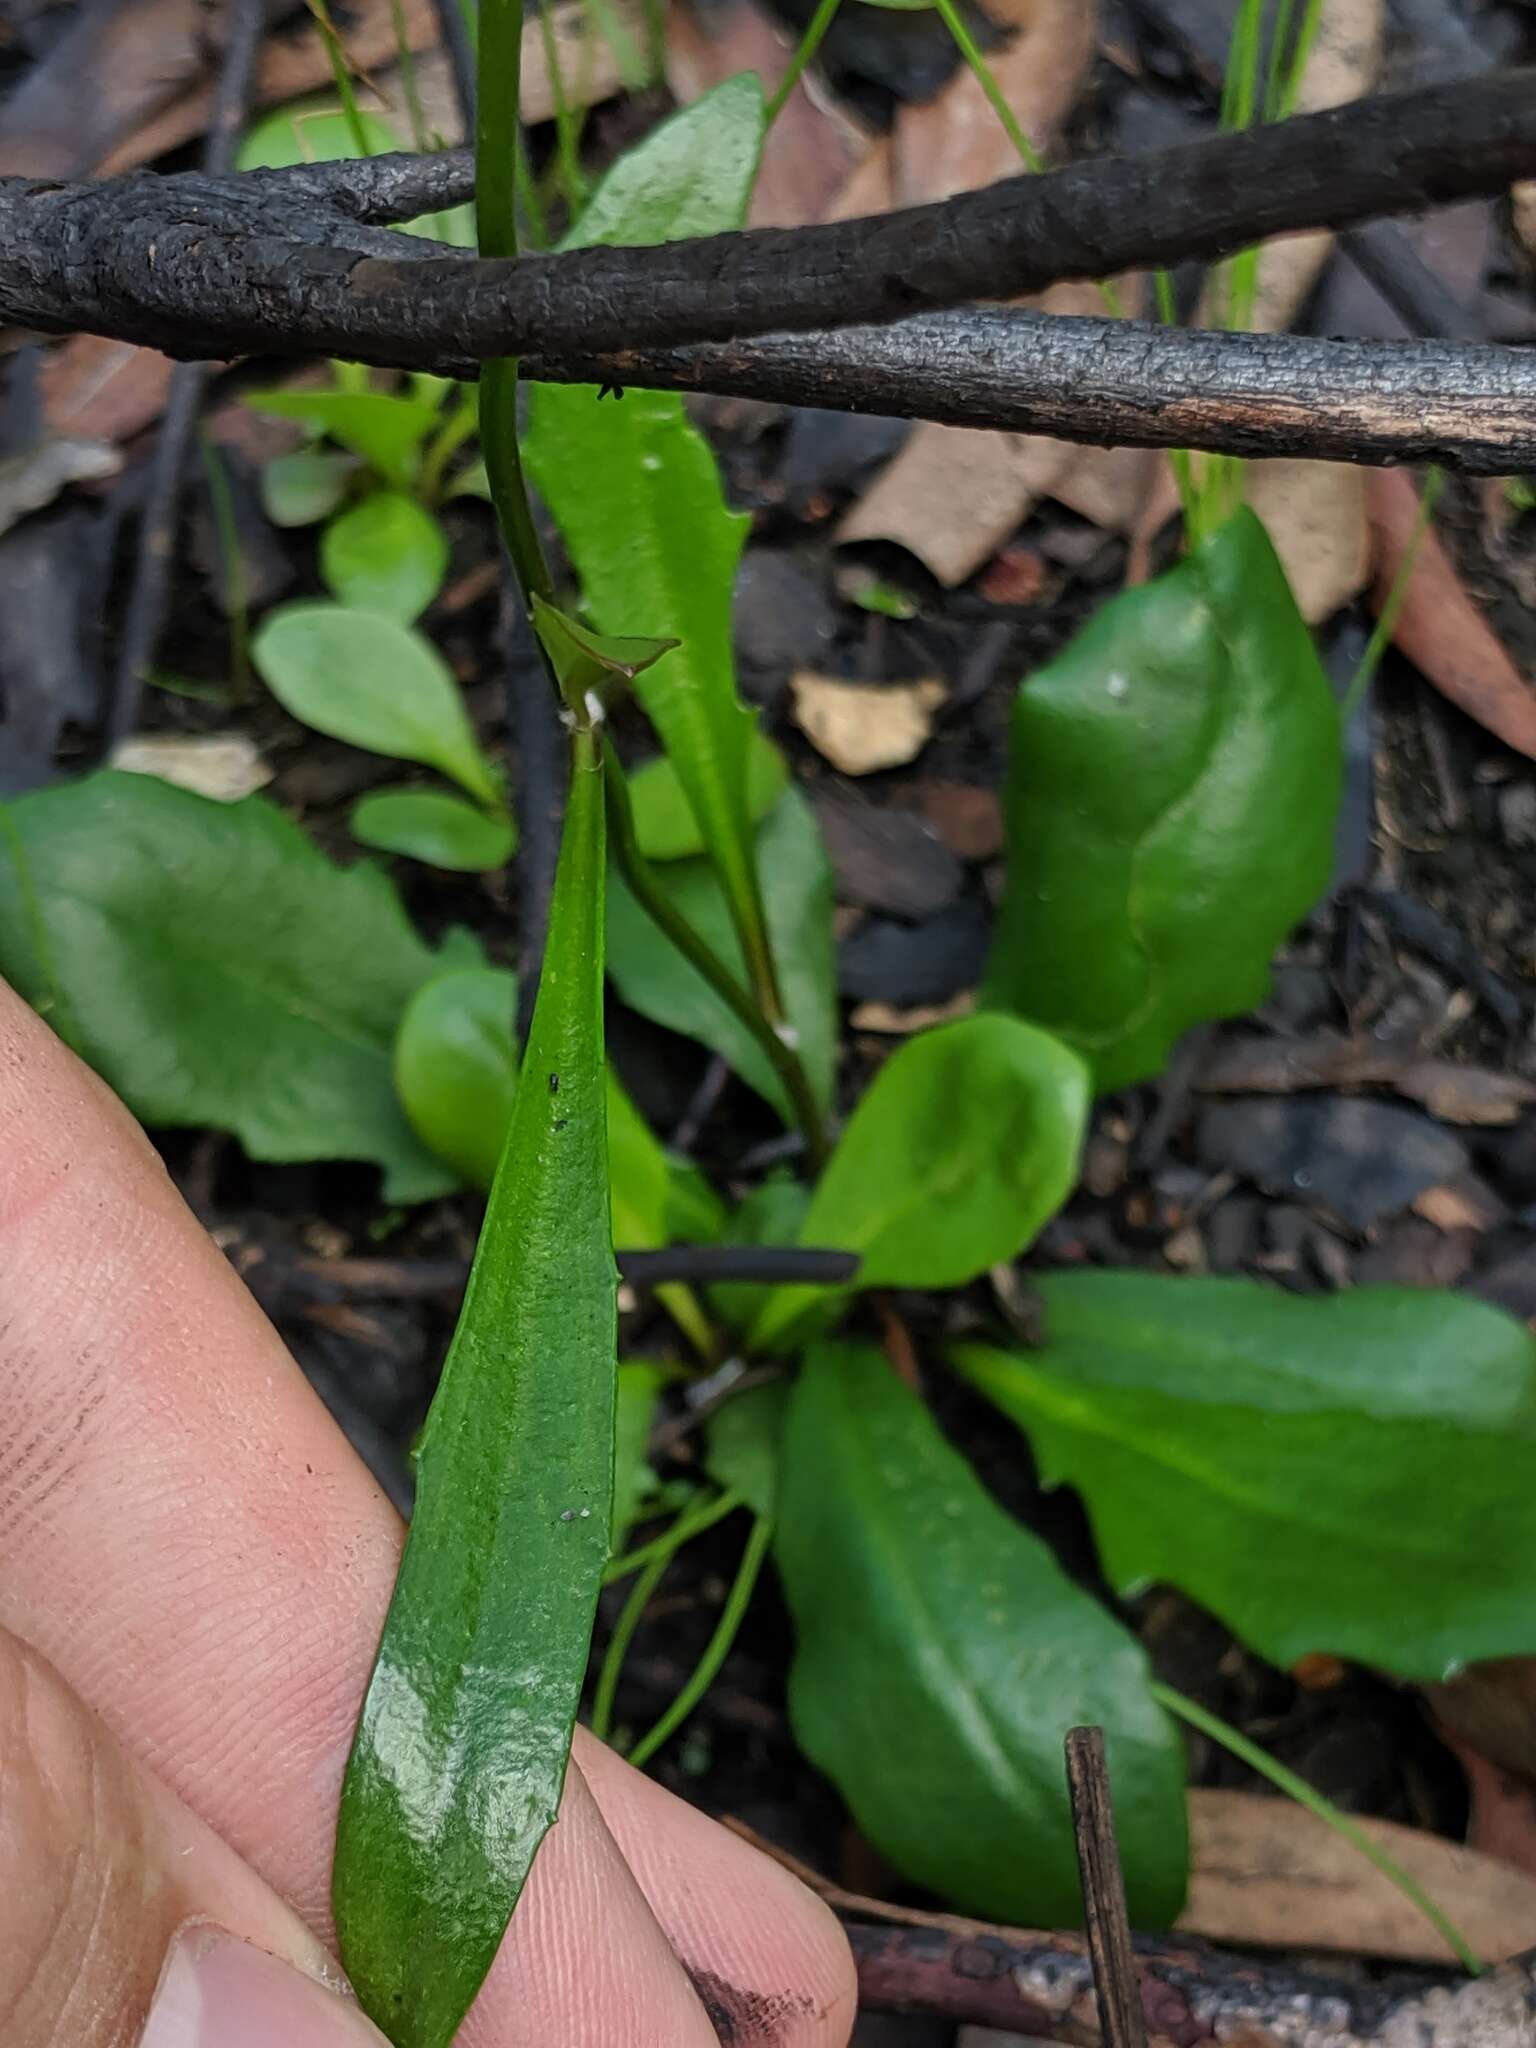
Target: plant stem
x,y
342,75
718,1648
445,444
567,131
690,1523
233,564
624,1634
1386,619
815,34
1305,1795
638,873
408,86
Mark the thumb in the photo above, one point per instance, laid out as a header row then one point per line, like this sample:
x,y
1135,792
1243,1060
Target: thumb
x,y
126,1920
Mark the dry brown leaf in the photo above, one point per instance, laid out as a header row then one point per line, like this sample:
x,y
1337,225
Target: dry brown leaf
x,y
223,766
861,727
887,1020
1315,514
1439,628
1487,1719
113,69
812,147
1284,1066
1268,1874
1522,201
98,389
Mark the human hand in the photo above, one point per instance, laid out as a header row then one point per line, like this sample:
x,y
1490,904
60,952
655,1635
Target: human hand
x,y
194,1568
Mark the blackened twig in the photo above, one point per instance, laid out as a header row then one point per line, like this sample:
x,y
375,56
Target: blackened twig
x,y
147,597
1115,1978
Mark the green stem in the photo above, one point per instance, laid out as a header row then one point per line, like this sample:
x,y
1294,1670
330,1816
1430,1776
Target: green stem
x,y
342,75
718,1648
690,1523
623,1635
1304,1794
1386,620
567,131
233,563
658,906
810,43
408,85
445,444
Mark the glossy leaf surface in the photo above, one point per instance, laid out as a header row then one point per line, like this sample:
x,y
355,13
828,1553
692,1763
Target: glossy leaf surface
x,y
1173,784
655,979
433,826
461,1751
636,493
455,1068
962,1148
384,554
941,1656
374,683
665,826
589,663
217,970
1353,1474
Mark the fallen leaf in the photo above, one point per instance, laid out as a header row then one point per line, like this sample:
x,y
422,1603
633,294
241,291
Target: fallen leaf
x,y
1439,628
223,766
1501,1819
1315,514
1493,1706
888,1020
113,69
968,820
861,727
1267,1873
97,389
1522,203
1285,1066
1464,1202
31,481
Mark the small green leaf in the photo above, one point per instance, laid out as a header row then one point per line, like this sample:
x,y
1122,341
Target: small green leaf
x,y
305,487
665,826
941,1655
745,1445
461,1751
220,970
386,431
588,663
312,131
653,1192
770,1213
640,1385
636,492
1173,785
385,554
655,979
960,1152
1351,1473
455,1068
432,826
374,683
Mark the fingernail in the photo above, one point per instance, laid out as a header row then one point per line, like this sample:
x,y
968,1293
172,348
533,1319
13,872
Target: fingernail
x,y
217,1992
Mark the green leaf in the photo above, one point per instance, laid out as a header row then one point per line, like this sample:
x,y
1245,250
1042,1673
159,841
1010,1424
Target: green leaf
x,y
1173,786
770,1213
312,131
455,1068
744,1445
305,487
640,1385
587,663
655,979
385,430
460,1754
374,683
219,970
961,1150
941,1656
385,554
636,493
1352,1473
431,825
652,1192
665,826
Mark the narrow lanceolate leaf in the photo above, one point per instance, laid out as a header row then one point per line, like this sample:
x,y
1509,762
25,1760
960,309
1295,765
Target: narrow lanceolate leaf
x,y
461,1751
960,1152
1173,785
1354,1474
941,1655
636,493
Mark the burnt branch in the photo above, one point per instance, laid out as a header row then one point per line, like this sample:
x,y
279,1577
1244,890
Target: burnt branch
x,y
219,267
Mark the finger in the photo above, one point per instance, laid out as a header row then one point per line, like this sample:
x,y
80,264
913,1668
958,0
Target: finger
x,y
227,1628
126,1919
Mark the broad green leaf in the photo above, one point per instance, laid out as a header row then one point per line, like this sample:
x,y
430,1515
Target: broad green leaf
x,y
770,1213
1172,790
385,430
218,970
460,1754
744,1445
305,487
455,1068
587,663
385,554
961,1150
941,1655
657,1200
665,826
636,493
640,1385
1351,1473
431,825
655,979
309,132
374,683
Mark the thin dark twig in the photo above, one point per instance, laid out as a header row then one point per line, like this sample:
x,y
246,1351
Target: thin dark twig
x,y
453,30
149,593
1116,1979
